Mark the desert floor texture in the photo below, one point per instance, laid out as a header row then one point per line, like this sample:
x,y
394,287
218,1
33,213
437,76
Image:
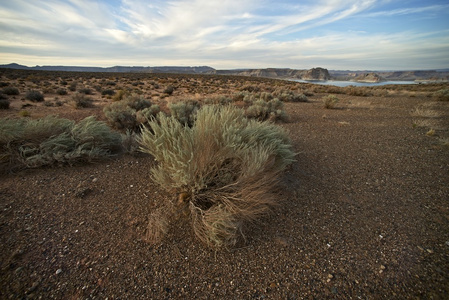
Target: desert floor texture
x,y
363,213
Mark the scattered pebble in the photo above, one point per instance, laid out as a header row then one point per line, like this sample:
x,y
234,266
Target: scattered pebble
x,y
58,271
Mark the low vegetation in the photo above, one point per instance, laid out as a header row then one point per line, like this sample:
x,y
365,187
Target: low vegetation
x,y
223,169
130,113
330,101
34,143
34,96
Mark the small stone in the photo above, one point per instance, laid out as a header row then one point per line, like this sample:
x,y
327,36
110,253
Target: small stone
x,y
330,276
33,287
447,243
95,179
429,250
58,271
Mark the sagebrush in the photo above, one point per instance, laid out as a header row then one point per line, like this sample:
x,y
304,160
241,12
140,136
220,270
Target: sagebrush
x,y
223,168
35,143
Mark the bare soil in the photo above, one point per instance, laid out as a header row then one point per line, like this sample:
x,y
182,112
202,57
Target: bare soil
x,y
363,214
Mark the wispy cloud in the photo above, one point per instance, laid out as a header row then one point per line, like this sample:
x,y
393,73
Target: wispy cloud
x,y
226,33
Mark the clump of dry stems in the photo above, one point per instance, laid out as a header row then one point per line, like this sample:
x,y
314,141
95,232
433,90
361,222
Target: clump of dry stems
x,y
223,168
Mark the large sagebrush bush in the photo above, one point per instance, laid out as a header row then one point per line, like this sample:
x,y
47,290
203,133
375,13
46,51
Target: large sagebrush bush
x,y
223,168
34,143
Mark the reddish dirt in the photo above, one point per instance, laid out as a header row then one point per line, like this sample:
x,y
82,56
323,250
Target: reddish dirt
x,y
364,214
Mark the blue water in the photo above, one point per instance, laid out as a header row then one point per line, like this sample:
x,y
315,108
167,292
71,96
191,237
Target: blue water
x,y
348,83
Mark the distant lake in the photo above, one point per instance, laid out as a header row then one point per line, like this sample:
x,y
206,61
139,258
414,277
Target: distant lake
x,y
348,83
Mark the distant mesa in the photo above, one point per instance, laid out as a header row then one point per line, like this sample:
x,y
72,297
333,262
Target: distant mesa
x,y
314,74
369,78
116,69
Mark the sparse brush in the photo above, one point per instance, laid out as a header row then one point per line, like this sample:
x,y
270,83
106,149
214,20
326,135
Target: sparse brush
x,y
61,91
108,92
129,113
80,100
119,95
4,104
290,96
10,90
330,101
271,110
218,99
34,143
442,95
184,111
142,116
169,90
85,91
224,167
34,96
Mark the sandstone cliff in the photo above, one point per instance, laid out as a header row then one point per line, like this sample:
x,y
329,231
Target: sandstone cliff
x,y
369,78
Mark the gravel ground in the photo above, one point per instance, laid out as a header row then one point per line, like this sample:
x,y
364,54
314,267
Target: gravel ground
x,y
363,214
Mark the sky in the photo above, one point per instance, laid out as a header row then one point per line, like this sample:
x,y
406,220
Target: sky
x,y
227,34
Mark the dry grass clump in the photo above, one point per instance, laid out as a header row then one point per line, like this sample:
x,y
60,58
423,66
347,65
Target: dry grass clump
x,y
330,101
223,168
442,95
358,91
34,143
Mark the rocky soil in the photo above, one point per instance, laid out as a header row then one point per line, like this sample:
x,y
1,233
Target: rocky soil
x,y
363,214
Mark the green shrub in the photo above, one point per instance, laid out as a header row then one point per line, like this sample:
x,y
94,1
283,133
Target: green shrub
x,y
34,96
442,95
330,101
4,104
79,100
271,110
184,111
34,143
11,91
223,168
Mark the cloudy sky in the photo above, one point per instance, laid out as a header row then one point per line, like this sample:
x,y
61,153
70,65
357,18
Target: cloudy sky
x,y
226,34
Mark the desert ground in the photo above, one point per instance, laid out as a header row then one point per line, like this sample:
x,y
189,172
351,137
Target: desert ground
x,y
363,212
